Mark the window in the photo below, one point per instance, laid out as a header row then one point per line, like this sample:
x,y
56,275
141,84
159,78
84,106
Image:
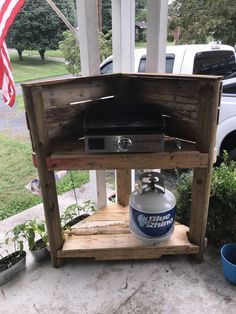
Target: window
x,y
215,63
169,63
229,89
107,68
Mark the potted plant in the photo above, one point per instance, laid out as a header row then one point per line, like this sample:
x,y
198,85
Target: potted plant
x,y
34,231
75,213
13,263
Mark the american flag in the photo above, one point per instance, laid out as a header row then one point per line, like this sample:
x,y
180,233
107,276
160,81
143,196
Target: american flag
x,y
8,12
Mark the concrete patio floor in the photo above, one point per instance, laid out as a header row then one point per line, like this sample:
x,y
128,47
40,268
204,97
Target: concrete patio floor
x,y
171,284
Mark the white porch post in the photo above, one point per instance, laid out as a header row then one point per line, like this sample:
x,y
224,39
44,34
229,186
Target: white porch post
x,y
157,18
156,35
123,44
123,18
89,56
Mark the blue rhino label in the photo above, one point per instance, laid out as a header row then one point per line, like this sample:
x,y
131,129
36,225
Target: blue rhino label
x,y
154,225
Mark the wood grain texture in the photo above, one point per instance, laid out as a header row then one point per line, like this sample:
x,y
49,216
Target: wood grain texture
x,y
123,186
106,235
125,246
205,142
190,159
41,144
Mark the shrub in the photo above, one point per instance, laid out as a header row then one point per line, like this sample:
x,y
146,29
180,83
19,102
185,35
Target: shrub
x,y
71,51
221,225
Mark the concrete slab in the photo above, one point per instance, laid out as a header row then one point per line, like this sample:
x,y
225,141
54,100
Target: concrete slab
x,y
171,284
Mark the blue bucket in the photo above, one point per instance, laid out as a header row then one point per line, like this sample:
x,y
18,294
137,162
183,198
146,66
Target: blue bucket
x,y
228,257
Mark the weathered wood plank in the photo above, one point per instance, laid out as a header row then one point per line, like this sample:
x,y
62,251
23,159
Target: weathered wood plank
x,y
125,246
82,89
176,98
100,227
190,159
206,132
65,121
123,186
41,143
111,217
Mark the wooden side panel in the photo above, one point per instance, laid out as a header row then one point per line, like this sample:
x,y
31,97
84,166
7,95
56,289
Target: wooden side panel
x,y
81,89
206,133
175,97
65,121
41,143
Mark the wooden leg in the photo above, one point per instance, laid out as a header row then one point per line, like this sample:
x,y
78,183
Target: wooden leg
x,y
98,183
123,186
199,208
52,215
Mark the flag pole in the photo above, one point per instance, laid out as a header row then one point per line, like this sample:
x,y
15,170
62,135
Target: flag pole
x,y
62,16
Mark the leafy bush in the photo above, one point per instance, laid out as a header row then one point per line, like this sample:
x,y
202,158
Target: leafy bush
x,y
221,225
71,51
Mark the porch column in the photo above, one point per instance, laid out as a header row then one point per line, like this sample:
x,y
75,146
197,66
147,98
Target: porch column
x,y
157,19
90,61
123,40
123,44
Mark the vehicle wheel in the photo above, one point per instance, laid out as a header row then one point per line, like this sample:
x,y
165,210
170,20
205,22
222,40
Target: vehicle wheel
x,y
232,154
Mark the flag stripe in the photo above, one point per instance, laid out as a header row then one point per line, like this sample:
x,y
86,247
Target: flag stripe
x,y
8,89
8,13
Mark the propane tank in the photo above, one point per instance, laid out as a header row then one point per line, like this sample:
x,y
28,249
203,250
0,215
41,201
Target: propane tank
x,y
152,209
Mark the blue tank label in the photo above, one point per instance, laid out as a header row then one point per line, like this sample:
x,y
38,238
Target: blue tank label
x,y
153,225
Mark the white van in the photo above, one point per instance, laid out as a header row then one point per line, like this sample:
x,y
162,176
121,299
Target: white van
x,y
211,59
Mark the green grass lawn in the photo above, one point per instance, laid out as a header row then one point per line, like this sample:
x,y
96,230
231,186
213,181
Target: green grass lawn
x,y
48,53
16,167
32,68
140,45
17,171
20,103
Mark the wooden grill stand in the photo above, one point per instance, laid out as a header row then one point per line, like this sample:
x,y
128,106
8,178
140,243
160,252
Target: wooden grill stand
x,y
55,112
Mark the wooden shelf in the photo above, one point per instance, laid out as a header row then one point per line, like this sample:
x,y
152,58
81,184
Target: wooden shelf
x,y
72,156
105,236
190,159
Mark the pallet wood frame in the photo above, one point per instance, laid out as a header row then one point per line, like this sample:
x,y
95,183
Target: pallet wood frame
x,y
55,111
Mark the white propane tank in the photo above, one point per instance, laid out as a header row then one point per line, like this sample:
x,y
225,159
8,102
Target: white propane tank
x,y
152,209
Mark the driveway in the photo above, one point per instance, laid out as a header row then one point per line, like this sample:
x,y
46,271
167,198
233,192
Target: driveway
x,y
12,120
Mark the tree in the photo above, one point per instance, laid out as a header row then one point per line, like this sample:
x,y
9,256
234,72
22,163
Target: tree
x,y
140,13
71,51
141,10
204,20
106,15
37,27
